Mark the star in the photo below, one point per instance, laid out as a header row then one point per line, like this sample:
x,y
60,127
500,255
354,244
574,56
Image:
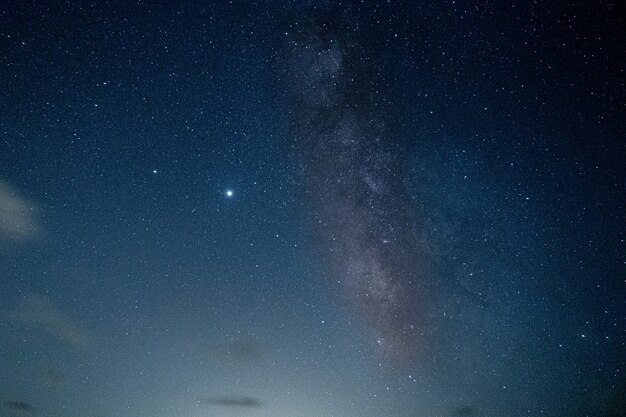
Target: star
x,y
229,193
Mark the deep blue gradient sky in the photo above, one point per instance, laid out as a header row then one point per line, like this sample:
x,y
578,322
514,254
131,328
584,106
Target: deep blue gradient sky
x,y
427,211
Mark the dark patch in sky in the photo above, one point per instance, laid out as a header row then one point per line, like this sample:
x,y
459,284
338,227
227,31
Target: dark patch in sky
x,y
235,401
466,411
54,377
17,405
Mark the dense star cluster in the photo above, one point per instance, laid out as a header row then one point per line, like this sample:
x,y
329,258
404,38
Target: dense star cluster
x,y
312,208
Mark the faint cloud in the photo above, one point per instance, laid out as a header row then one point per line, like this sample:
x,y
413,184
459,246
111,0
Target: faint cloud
x,y
235,401
40,312
244,350
17,216
239,350
17,406
53,378
467,411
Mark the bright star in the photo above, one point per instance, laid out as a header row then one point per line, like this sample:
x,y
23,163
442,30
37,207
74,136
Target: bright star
x,y
229,193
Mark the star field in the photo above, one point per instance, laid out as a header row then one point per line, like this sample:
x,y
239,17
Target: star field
x,y
312,208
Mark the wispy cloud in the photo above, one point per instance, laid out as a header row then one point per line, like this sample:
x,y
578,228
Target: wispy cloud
x,y
18,406
40,312
466,411
17,216
235,401
240,350
53,378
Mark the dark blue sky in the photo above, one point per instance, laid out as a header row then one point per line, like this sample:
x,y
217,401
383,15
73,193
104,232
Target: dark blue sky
x,y
426,219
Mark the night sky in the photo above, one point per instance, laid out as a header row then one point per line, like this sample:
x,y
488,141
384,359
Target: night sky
x,y
312,208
